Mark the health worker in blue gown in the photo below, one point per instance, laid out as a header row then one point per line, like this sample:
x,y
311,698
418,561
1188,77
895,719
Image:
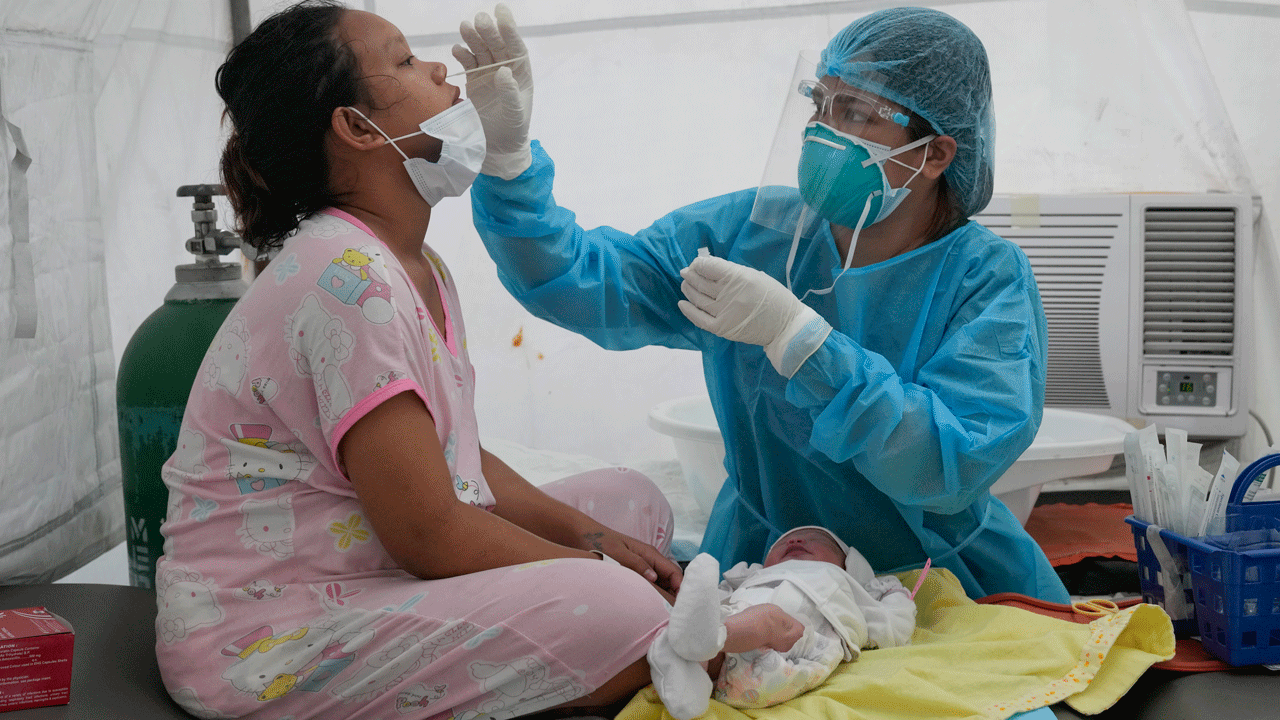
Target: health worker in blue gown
x,y
875,359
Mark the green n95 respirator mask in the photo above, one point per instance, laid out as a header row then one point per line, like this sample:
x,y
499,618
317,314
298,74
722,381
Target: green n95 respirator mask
x,y
842,178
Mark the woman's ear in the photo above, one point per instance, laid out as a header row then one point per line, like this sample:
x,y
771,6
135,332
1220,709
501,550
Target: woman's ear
x,y
354,131
941,151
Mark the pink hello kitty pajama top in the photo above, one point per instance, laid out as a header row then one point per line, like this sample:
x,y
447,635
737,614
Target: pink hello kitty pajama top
x,y
276,600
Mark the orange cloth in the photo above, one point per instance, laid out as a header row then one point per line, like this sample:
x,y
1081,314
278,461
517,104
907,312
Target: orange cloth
x,y
1071,533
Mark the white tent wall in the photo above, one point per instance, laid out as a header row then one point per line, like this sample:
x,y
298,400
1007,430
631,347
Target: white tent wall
x,y
59,467
158,128
109,98
1242,49
643,106
647,106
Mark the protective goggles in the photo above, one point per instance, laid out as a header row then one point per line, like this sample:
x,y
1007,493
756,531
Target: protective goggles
x,y
847,110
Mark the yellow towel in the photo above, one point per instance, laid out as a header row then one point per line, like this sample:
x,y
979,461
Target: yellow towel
x,y
971,661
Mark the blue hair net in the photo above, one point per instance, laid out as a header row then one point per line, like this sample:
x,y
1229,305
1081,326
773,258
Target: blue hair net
x,y
933,65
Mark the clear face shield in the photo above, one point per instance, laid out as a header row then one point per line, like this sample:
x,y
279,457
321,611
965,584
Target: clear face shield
x,y
843,108
822,167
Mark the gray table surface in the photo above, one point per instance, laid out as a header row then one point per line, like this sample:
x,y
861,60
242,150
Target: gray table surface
x,y
114,675
1241,694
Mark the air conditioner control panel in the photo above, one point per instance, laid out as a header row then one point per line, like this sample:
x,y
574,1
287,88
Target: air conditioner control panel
x,y
1186,390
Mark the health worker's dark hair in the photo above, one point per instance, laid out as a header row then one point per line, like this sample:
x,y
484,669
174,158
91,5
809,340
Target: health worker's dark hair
x,y
280,86
947,214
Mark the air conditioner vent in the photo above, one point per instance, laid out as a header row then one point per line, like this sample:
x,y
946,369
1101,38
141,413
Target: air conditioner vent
x,y
1069,254
1189,281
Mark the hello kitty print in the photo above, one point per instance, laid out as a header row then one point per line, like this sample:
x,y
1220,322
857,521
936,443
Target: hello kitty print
x,y
268,556
317,342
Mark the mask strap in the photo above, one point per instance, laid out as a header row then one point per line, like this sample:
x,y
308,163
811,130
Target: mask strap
x,y
914,174
405,137
388,137
897,151
848,258
795,243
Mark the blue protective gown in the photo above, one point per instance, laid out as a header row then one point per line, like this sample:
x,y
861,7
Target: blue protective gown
x,y
927,390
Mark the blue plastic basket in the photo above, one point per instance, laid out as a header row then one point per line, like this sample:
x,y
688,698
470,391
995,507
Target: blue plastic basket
x,y
1234,578
1237,594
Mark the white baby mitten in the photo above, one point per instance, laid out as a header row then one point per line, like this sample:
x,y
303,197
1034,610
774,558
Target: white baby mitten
x,y
892,620
696,631
683,685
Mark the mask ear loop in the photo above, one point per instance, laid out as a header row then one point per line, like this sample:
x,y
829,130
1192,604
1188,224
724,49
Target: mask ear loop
x,y
918,170
894,195
871,158
406,137
388,137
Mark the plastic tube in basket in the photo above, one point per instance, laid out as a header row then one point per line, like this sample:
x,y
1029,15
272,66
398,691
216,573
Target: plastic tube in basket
x,y
1135,474
1214,521
1173,577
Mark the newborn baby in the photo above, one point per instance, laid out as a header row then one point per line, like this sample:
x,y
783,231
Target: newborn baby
x,y
770,632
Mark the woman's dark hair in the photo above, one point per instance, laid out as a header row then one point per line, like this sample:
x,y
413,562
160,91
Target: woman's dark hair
x,y
281,85
947,214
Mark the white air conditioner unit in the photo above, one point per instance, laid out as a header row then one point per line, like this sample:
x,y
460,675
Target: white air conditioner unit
x,y
1148,299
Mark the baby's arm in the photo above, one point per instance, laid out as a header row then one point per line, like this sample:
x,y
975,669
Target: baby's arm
x,y
761,626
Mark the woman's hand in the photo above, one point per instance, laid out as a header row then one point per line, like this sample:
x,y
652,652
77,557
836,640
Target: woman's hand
x,y
503,95
638,556
532,509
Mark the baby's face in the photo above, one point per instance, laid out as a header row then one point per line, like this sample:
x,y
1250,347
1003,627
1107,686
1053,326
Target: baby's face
x,y
806,545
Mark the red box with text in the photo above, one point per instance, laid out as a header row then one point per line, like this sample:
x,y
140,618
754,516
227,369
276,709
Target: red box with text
x,y
35,659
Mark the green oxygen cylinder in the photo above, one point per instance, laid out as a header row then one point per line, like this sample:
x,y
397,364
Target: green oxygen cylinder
x,y
157,370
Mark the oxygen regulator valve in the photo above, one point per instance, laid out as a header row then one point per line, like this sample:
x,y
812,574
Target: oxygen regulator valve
x,y
205,277
209,242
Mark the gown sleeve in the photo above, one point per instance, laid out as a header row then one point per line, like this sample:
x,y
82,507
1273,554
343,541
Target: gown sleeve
x,y
939,442
618,289
936,443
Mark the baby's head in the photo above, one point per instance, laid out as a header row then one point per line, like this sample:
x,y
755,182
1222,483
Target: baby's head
x,y
807,543
819,544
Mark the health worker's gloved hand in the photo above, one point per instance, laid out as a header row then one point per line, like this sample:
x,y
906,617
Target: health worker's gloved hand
x,y
503,95
745,305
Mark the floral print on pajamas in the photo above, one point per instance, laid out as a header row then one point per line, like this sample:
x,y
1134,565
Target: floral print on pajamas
x,y
276,599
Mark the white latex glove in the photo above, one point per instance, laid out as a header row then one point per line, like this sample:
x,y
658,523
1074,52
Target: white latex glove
x,y
503,96
745,305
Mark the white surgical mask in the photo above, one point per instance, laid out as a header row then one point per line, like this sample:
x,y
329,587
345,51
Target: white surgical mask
x,y
461,156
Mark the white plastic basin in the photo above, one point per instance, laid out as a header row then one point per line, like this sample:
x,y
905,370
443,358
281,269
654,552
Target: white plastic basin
x,y
1069,445
691,424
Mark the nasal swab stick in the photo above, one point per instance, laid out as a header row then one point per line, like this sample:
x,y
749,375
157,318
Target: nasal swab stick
x,y
486,67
